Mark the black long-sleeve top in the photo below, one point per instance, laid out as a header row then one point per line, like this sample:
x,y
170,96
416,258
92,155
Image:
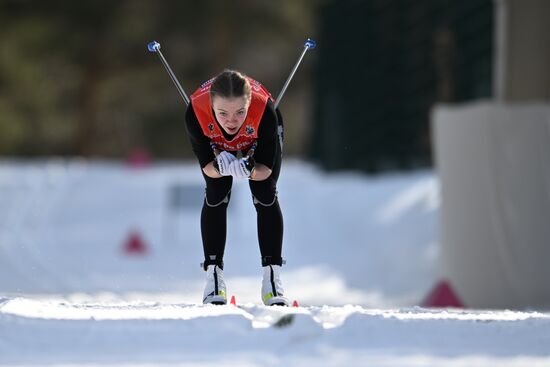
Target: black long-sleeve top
x,y
267,137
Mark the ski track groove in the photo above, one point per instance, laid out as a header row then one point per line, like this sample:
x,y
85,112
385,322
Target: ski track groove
x,y
57,331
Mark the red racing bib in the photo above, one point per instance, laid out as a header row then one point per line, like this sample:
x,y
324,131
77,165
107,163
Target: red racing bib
x,y
247,134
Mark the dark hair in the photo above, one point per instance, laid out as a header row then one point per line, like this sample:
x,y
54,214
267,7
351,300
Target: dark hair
x,y
229,84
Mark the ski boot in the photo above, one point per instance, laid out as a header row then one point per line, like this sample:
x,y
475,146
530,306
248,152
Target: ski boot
x,y
214,291
272,289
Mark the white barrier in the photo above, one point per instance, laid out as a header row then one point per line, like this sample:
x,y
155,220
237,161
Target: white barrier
x,y
493,162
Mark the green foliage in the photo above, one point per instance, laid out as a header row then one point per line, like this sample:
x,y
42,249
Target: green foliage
x,y
76,78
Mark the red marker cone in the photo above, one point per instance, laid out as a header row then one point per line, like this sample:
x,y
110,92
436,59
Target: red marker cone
x,y
442,295
233,302
134,245
139,158
295,304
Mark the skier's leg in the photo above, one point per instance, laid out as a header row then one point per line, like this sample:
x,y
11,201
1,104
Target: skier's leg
x,y
269,217
270,236
214,219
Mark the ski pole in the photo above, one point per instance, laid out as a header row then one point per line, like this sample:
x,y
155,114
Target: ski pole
x,y
307,45
155,47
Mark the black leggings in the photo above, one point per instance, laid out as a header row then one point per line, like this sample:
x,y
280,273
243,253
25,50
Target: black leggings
x,y
269,217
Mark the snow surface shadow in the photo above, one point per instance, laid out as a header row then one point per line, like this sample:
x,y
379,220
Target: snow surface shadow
x,y
51,332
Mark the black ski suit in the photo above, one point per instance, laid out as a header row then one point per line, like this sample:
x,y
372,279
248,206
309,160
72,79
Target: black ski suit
x,y
264,193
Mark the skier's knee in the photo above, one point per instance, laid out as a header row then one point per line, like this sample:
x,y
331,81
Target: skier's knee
x,y
213,203
265,201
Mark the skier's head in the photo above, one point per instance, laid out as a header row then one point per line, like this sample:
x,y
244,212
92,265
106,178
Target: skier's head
x,y
230,94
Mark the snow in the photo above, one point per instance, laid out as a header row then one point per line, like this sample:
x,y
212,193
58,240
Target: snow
x,y
361,254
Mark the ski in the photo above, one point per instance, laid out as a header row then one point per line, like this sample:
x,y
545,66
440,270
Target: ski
x,y
278,321
233,301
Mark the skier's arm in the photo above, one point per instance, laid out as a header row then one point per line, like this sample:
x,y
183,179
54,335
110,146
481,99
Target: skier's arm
x,y
267,144
200,144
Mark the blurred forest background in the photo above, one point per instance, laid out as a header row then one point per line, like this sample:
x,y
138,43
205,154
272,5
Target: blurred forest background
x,y
76,78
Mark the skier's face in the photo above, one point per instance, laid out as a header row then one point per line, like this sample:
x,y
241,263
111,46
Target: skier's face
x,y
230,112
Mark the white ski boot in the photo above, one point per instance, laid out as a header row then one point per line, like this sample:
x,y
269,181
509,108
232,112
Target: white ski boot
x,y
214,291
272,288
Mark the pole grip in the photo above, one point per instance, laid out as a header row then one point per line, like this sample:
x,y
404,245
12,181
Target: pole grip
x,y
309,43
153,46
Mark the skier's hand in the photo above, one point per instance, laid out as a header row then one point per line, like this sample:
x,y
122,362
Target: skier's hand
x,y
223,163
242,167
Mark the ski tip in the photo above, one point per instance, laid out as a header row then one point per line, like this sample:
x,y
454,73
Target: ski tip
x,y
295,304
233,301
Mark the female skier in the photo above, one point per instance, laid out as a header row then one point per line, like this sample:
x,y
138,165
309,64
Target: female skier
x,y
236,133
